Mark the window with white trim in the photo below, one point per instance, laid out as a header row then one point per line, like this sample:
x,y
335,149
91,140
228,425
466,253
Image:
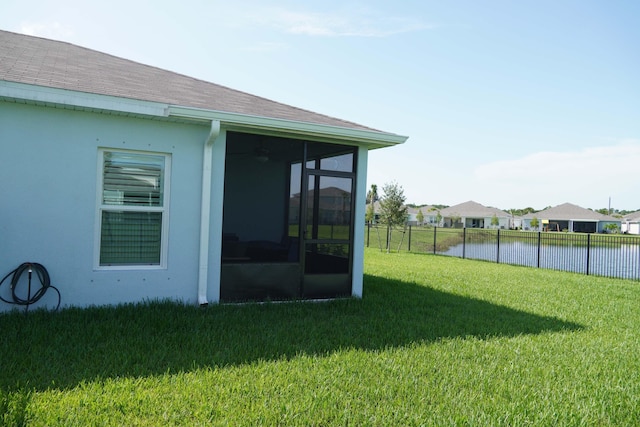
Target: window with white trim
x,y
132,208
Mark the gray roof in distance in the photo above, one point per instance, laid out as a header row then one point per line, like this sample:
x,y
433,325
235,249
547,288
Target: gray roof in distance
x,y
632,217
427,210
473,209
570,212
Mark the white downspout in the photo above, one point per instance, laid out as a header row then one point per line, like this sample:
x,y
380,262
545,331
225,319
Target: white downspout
x,y
358,232
205,212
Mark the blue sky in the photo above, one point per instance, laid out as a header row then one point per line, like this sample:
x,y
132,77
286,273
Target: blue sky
x,y
507,103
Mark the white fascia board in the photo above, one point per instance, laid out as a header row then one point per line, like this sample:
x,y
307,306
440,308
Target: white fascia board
x,y
29,93
371,138
79,100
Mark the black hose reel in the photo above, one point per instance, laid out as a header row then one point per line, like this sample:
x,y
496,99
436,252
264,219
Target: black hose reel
x,y
45,284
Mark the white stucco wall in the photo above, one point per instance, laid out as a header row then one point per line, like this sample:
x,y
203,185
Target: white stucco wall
x,y
630,227
48,174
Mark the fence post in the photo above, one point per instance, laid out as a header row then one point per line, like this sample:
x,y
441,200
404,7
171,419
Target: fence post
x,y
409,242
464,241
539,246
388,240
435,230
588,250
368,233
498,247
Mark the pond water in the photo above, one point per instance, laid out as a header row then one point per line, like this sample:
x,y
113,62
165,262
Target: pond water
x,y
622,261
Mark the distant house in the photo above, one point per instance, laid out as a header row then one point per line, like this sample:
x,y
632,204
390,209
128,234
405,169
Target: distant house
x,y
412,216
631,223
131,183
376,211
516,222
429,216
474,215
569,217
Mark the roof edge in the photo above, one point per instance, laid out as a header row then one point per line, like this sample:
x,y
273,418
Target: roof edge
x,y
373,139
72,99
76,99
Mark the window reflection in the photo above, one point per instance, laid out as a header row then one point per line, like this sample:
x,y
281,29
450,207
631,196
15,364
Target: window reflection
x,y
293,221
342,163
330,157
329,208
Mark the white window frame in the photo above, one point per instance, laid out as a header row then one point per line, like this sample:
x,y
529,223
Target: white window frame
x,y
164,209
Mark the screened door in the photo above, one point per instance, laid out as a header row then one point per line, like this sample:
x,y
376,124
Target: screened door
x,y
327,227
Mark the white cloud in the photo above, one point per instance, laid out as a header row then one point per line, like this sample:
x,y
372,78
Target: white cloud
x,y
586,177
358,24
53,30
266,47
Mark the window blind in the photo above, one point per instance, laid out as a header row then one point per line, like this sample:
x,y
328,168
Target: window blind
x,y
133,179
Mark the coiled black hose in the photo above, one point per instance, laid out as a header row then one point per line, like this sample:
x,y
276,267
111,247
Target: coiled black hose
x,y
45,284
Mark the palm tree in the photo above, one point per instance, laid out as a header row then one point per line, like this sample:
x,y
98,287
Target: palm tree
x,y
372,198
372,195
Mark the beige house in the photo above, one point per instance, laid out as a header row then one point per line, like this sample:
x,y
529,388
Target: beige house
x,y
429,216
569,217
474,215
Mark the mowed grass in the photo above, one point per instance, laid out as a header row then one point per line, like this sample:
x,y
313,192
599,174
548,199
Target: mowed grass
x,y
434,341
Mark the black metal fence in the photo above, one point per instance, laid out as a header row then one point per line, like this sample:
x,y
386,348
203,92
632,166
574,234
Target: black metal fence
x,y
609,255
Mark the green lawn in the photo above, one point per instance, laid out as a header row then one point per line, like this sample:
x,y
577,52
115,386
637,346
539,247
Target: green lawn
x,y
434,341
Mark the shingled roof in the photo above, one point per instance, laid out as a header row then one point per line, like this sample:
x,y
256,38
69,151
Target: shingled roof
x,y
570,212
472,209
632,217
55,64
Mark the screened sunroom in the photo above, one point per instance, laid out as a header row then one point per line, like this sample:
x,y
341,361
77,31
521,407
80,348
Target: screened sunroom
x,y
288,218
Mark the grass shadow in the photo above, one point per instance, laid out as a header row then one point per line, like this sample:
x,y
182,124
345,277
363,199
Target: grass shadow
x,y
61,350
